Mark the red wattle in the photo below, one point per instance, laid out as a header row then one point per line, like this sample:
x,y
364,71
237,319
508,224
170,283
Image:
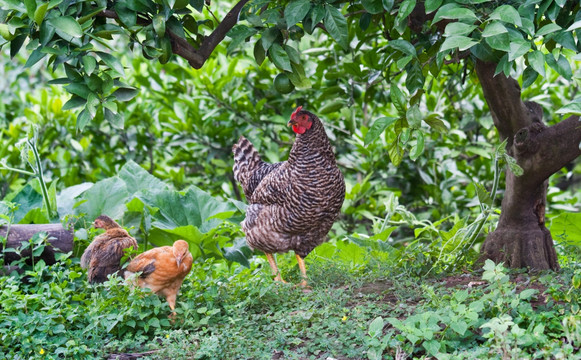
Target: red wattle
x,y
299,129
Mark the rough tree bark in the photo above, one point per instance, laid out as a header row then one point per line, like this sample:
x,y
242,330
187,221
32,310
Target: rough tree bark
x,y
522,238
60,240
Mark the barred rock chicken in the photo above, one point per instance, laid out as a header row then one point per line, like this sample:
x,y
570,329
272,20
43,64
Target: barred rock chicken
x,y
103,256
293,203
163,269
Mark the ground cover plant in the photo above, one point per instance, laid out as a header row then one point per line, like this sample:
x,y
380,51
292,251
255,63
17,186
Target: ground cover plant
x,y
131,109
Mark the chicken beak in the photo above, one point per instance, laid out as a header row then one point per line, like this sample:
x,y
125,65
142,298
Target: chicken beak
x,y
291,122
179,259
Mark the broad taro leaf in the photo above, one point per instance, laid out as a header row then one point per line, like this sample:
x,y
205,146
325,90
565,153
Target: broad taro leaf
x,y
192,216
27,199
138,179
567,227
106,197
196,207
238,252
66,198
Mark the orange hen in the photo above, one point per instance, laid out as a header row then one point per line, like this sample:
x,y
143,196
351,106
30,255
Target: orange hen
x,y
103,256
163,269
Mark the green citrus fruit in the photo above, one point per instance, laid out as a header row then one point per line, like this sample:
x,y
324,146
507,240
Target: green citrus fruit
x,y
282,84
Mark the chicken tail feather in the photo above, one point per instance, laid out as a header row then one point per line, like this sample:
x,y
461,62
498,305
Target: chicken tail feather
x,y
246,159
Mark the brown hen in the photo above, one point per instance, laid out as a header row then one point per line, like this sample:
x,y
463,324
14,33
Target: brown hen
x,y
103,256
294,203
163,269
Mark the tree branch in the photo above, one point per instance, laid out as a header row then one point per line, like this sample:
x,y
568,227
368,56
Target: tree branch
x,y
181,47
542,151
509,112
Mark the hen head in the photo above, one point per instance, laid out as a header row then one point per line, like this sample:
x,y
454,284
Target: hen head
x,y
105,222
301,120
180,251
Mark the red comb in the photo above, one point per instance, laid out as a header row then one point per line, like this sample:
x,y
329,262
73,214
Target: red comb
x,y
296,111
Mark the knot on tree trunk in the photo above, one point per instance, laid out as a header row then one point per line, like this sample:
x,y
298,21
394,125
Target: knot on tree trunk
x,y
527,140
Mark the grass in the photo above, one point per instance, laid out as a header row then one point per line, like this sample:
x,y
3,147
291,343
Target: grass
x,y
354,311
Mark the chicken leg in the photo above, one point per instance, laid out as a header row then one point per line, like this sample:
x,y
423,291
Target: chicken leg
x,y
303,270
274,268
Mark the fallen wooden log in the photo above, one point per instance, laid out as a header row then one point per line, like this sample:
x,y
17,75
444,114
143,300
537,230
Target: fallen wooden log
x,y
130,356
59,239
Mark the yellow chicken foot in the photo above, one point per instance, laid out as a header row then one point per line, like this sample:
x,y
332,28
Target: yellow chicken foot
x,y
303,270
274,268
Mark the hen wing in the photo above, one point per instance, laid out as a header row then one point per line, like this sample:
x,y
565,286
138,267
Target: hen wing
x,y
104,255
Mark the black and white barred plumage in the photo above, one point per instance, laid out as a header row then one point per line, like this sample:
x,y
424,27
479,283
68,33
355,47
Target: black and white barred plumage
x,y
294,203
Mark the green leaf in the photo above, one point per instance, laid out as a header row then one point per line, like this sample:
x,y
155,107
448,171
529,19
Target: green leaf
x,y
506,13
30,7
378,128
279,57
432,5
573,108
75,101
398,99
414,116
537,61
387,4
518,48
527,294
28,199
403,46
92,104
238,252
415,77
89,63
459,326
39,13
513,166
293,54
483,195
373,6
83,119
454,12
295,11
458,28
259,53
112,62
561,66
396,153
137,179
196,207
529,76
460,42
547,29
159,25
67,25
239,34
298,77
105,197
566,227
336,25
125,94
576,25
115,119
432,346
405,9
499,42
78,89
376,327
494,28
418,149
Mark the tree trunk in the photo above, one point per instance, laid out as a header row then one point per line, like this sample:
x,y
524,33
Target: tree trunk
x,y
60,240
521,238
